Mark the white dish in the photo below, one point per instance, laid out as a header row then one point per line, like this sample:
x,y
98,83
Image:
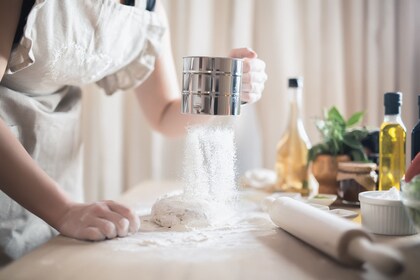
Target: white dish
x,y
383,215
348,214
322,199
320,206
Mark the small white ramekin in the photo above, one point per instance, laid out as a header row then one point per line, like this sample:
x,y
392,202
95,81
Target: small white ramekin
x,y
384,216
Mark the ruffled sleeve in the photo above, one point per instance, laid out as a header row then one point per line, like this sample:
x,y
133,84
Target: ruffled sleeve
x,y
138,70
22,56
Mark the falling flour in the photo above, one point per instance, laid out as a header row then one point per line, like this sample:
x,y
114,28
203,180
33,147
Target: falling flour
x,y
208,178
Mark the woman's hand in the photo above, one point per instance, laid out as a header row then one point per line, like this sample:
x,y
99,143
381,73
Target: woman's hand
x,y
254,75
98,221
413,169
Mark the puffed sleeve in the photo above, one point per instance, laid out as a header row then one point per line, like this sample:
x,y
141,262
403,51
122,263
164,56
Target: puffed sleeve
x,y
139,69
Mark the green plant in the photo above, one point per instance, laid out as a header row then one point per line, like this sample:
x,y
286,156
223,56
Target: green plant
x,y
338,136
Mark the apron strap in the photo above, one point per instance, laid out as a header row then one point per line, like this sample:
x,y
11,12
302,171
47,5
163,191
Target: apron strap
x,y
150,5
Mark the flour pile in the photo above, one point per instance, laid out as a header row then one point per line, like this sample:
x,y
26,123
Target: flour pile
x,y
208,178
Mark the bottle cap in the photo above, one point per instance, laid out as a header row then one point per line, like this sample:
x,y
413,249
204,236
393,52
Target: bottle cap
x,y
392,102
296,82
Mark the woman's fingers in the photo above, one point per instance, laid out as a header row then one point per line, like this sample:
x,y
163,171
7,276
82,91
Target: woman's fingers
x,y
120,223
98,221
250,97
133,219
106,227
91,234
413,169
253,65
243,53
256,77
253,80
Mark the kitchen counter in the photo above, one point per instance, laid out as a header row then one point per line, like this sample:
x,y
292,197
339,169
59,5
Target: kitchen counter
x,y
250,248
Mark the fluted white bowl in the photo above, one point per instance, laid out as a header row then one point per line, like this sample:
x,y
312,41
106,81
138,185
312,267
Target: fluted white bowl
x,y
384,215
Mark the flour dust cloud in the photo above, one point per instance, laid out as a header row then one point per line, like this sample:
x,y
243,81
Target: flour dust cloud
x,y
208,178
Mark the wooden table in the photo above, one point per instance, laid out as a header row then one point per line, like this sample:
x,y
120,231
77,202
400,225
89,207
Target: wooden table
x,y
254,250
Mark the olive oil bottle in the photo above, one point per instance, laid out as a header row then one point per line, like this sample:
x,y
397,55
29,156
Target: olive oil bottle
x,y
392,138
292,149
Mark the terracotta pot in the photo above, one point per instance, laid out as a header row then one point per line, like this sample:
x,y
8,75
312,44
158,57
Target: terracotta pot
x,y
324,168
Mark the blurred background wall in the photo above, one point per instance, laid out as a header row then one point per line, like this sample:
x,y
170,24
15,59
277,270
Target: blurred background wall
x,y
348,52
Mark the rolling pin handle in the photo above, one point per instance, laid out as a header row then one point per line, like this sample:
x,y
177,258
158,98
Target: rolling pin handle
x,y
383,258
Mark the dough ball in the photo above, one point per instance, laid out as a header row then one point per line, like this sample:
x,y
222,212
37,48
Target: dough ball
x,y
179,212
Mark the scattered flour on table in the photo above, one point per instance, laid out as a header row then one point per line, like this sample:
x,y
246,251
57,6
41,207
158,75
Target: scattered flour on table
x,y
209,181
238,231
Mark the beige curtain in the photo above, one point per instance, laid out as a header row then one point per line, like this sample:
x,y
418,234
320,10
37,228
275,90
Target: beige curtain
x,y
349,52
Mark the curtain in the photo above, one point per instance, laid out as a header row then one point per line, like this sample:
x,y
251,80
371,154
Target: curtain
x,y
348,52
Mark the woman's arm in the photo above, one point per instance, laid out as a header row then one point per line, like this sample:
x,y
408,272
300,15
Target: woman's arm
x,y
20,177
160,96
26,183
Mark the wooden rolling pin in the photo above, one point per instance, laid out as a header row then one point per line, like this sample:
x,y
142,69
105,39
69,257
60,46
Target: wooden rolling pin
x,y
339,238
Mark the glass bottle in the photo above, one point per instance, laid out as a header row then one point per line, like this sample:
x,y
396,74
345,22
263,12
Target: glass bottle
x,y
292,149
392,137
415,135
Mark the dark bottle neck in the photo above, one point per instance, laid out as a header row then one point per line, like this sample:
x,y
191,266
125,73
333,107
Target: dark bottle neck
x,y
418,104
392,110
419,112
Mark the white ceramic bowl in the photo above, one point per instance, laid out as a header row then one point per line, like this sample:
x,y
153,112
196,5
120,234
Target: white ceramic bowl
x,y
384,216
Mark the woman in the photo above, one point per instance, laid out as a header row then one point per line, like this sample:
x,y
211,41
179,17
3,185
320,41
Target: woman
x,y
58,46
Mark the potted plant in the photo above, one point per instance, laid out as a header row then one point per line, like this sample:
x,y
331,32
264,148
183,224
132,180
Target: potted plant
x,y
340,142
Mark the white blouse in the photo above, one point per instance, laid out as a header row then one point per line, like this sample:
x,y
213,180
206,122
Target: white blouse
x,y
76,42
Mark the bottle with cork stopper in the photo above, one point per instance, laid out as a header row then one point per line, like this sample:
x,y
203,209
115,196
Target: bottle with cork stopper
x,y
292,149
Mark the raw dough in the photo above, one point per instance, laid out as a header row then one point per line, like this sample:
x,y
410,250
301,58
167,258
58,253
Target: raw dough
x,y
176,211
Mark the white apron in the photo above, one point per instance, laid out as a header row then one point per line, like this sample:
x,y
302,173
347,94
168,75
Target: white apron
x,y
65,44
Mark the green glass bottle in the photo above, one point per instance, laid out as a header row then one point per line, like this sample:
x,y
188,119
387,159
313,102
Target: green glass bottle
x,y
392,138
